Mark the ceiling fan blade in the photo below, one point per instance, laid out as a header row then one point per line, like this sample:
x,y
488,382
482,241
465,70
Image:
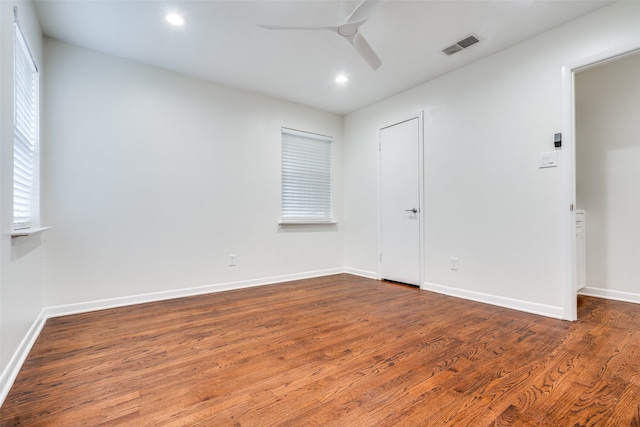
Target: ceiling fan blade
x,y
364,10
363,48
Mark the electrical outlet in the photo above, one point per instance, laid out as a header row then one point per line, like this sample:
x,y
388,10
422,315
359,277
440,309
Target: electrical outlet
x,y
232,260
453,264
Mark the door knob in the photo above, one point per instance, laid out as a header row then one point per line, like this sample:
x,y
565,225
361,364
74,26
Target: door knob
x,y
413,210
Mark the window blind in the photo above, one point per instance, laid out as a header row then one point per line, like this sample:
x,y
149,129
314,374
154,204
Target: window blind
x,y
24,131
306,177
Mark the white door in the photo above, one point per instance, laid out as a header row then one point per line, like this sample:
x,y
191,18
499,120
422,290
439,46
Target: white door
x,y
400,202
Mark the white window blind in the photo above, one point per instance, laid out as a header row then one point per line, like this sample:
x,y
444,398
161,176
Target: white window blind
x,y
25,132
306,177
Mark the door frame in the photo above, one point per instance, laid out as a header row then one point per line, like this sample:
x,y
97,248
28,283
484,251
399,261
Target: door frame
x,y
570,309
421,216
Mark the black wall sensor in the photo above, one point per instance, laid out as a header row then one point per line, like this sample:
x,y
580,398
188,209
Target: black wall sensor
x,y
557,140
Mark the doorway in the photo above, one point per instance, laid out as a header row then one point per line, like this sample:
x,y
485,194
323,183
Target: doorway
x,y
569,125
400,209
607,150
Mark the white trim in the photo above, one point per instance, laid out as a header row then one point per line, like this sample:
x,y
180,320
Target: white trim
x,y
17,22
421,218
83,307
305,134
10,373
288,223
610,294
604,56
23,232
526,306
379,207
362,273
569,301
569,176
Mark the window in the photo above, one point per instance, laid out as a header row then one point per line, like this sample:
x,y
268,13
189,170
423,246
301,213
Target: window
x,y
306,177
25,134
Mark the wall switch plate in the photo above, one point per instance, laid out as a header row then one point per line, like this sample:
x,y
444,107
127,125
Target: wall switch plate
x,y
232,260
548,159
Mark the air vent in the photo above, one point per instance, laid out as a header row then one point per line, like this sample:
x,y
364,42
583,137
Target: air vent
x,y
452,49
462,44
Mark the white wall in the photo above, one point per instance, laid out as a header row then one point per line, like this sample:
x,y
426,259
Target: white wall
x,y
151,179
608,172
487,202
21,260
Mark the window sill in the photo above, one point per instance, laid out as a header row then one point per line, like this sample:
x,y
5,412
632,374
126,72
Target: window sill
x,y
294,223
28,231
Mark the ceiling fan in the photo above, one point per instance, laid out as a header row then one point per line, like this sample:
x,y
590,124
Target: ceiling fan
x,y
349,30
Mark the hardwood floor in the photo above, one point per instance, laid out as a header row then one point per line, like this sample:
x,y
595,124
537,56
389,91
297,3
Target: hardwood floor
x,y
332,351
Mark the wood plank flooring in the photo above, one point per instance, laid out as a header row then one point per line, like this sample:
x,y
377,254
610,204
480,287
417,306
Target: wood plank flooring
x,y
331,351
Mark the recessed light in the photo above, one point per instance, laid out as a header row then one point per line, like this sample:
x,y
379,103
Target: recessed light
x,y
342,79
175,19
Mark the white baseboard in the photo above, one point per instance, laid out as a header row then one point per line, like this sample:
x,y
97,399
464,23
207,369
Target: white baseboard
x,y
8,376
361,273
12,369
610,294
83,307
528,307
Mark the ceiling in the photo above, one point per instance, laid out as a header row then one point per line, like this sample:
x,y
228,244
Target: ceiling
x,y
222,41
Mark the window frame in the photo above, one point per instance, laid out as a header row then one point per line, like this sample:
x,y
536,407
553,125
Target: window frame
x,y
307,165
26,134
